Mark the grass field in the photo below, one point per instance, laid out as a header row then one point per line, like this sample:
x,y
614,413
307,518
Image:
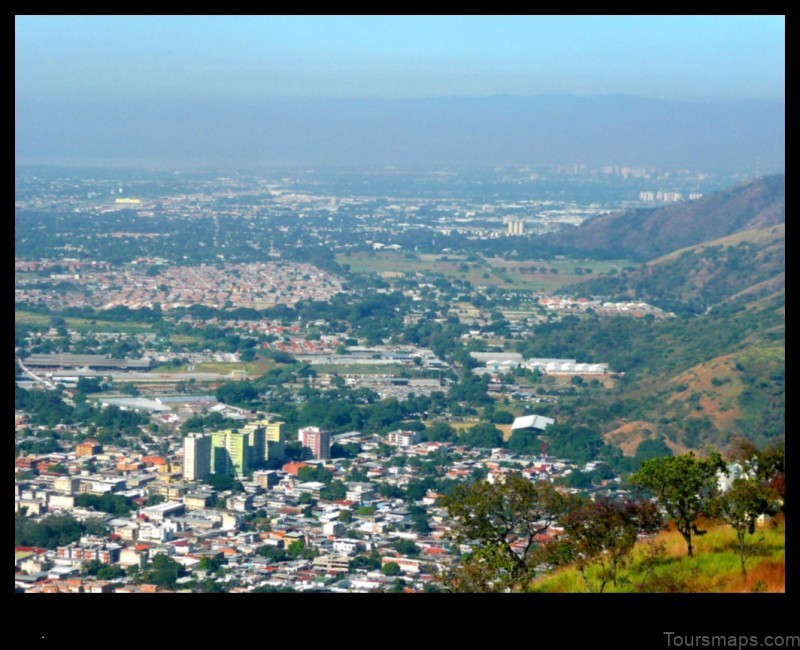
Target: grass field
x,y
485,271
252,368
82,324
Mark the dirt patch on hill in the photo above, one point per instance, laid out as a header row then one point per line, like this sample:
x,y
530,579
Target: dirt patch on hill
x,y
628,436
715,386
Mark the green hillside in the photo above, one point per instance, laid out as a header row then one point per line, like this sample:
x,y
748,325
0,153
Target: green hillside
x,y
646,234
694,279
689,382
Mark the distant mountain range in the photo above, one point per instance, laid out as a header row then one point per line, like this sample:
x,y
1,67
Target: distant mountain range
x,y
735,136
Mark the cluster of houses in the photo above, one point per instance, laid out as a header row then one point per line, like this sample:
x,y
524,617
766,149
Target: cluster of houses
x,y
346,542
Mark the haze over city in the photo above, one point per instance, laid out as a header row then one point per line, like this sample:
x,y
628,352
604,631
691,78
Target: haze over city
x,y
408,90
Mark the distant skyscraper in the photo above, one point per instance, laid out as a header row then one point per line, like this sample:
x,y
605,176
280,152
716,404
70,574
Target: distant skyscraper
x,y
319,442
516,227
196,456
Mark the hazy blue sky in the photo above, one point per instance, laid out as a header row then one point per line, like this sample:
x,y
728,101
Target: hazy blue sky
x,y
669,57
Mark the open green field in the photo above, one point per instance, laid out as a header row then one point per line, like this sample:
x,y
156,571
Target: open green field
x,y
461,427
518,274
484,271
252,368
388,261
82,324
183,339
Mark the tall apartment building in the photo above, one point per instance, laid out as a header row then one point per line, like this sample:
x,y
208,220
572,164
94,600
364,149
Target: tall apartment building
x,y
276,444
265,439
230,452
516,227
256,441
319,442
196,456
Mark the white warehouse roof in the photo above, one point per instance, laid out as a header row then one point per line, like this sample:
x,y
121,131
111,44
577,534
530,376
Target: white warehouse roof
x,y
532,422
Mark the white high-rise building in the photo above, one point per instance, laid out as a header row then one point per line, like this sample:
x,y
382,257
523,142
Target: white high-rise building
x,y
196,456
516,227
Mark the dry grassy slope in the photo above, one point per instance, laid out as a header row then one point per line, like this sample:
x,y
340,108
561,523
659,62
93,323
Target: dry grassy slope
x,y
630,435
719,400
767,259
774,235
708,390
715,567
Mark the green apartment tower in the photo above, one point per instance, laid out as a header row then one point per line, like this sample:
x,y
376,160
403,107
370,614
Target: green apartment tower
x,y
230,452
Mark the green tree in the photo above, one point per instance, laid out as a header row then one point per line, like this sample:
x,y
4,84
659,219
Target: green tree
x,y
602,534
684,486
110,572
209,564
482,435
741,507
370,562
223,482
524,441
406,547
91,567
502,520
115,504
272,552
163,571
439,432
50,532
768,466
502,417
653,448
335,491
391,569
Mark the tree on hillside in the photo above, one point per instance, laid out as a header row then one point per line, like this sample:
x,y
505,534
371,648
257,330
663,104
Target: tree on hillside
x,y
741,507
602,534
684,486
767,466
502,521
